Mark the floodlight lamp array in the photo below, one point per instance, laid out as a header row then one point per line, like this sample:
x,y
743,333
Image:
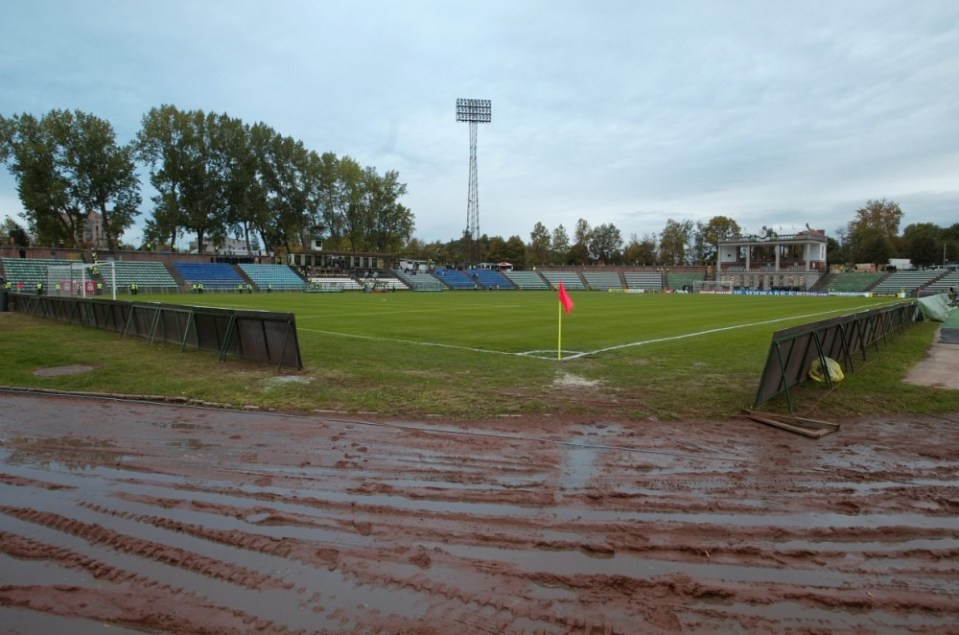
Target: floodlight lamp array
x,y
474,110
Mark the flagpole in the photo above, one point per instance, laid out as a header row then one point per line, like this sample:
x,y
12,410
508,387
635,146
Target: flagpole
x,y
559,337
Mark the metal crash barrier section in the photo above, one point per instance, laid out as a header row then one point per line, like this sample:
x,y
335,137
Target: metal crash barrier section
x,y
843,339
257,336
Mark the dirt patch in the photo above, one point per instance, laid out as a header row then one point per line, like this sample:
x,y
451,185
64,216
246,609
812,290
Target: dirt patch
x,y
59,371
569,380
166,518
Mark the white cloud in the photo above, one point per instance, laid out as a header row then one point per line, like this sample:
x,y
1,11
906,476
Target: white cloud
x,y
624,112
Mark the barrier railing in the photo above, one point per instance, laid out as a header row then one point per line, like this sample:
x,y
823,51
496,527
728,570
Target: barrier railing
x,y
258,336
843,339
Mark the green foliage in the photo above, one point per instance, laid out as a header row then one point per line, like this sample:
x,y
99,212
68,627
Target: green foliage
x,y
539,245
872,233
68,164
606,244
216,176
709,234
674,242
559,253
922,244
11,229
640,252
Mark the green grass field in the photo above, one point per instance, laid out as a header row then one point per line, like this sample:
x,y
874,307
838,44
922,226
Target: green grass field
x,y
470,355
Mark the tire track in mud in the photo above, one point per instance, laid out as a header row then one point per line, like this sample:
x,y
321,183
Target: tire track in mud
x,y
174,556
168,603
363,528
352,563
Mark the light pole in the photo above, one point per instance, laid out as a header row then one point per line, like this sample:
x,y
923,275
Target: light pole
x,y
473,111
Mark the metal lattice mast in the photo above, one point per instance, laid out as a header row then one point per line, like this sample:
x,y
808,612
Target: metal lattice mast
x,y
473,111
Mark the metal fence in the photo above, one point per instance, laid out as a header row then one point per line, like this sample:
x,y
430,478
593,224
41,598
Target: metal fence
x,y
843,339
258,336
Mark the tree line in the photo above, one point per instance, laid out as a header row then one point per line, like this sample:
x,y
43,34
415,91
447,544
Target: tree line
x,y
214,175
871,237
217,177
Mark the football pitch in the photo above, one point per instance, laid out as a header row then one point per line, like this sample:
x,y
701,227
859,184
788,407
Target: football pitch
x,y
529,323
484,354
470,355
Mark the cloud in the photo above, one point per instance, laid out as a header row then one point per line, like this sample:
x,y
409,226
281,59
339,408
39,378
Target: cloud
x,y
631,113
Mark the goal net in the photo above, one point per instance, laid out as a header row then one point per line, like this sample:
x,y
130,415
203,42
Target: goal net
x,y
712,286
82,279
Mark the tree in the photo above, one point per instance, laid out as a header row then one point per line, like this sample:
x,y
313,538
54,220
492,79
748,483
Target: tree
x,y
874,219
833,252
515,251
640,252
560,246
495,249
874,246
331,198
950,237
538,252
68,164
177,146
923,244
292,194
14,231
708,236
388,223
674,242
579,252
351,211
606,243
842,255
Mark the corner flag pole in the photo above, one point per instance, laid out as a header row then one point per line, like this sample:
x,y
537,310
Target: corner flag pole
x,y
565,304
559,337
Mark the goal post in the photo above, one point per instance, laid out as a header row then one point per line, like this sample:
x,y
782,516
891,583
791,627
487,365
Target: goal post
x,y
82,279
713,286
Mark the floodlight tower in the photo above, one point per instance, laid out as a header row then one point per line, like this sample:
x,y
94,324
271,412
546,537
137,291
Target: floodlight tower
x,y
473,111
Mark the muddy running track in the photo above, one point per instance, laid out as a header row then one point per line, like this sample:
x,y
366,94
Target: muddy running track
x,y
130,517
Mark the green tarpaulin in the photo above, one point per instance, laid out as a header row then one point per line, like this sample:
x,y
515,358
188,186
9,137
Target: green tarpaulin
x,y
935,307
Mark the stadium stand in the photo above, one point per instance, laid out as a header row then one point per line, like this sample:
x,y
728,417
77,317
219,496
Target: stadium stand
x,y
854,281
277,277
823,283
679,279
456,279
29,271
333,283
906,281
943,284
646,280
215,276
602,280
387,281
570,279
530,280
148,276
420,281
491,279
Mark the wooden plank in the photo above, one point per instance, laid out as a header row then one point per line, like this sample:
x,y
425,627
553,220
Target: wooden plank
x,y
812,433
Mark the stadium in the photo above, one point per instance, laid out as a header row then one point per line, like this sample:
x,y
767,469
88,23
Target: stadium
x,y
194,446
633,326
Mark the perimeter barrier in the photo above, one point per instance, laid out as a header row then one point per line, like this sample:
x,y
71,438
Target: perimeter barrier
x,y
842,339
257,336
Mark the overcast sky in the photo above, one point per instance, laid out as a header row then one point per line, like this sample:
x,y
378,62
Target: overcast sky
x,y
629,112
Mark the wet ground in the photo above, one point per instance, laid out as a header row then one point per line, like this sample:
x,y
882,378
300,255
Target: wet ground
x,y
133,517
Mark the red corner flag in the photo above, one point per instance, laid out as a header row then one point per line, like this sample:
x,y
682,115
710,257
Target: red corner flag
x,y
564,298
